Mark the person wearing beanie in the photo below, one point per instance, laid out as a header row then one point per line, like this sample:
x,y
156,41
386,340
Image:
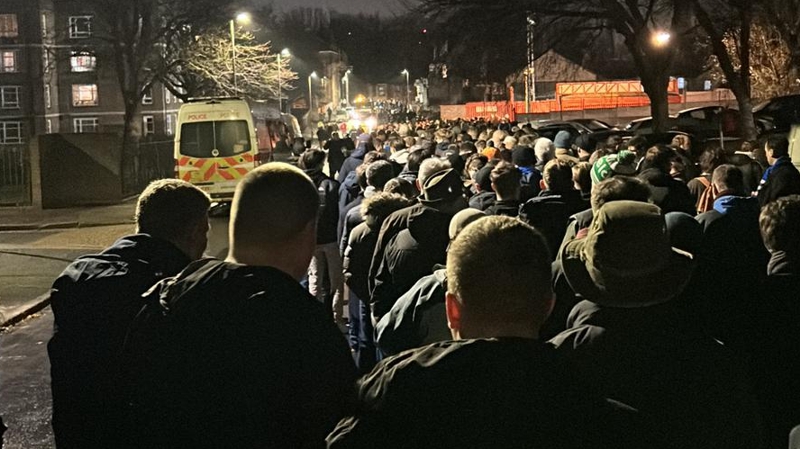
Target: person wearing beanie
x,y
482,184
622,163
525,159
563,143
583,147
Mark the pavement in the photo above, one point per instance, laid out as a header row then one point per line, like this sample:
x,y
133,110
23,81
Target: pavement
x,y
32,218
20,223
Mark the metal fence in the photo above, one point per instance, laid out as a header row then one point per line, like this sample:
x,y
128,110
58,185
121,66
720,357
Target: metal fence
x,y
15,175
147,162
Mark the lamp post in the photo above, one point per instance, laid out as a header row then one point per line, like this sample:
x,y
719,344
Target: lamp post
x,y
346,80
408,89
243,18
283,53
661,39
310,95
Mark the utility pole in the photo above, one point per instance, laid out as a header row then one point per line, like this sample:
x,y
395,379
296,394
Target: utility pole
x,y
530,78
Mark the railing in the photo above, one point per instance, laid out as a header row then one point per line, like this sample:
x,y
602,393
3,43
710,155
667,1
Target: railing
x,y
15,175
147,162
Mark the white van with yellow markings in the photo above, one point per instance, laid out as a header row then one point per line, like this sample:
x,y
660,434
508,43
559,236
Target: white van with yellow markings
x,y
216,145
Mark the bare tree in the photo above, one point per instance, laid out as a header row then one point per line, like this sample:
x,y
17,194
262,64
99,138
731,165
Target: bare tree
x,y
204,65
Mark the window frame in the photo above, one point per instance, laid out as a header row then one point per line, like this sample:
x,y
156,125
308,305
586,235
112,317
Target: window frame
x,y
74,22
148,125
76,88
13,30
3,52
11,105
82,56
4,126
79,129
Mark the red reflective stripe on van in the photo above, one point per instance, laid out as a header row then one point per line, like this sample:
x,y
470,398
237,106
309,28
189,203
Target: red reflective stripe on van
x,y
242,171
199,163
248,157
226,175
183,161
210,172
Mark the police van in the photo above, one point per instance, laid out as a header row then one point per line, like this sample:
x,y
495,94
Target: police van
x,y
219,140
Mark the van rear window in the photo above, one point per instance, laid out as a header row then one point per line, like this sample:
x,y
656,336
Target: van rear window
x,y
228,138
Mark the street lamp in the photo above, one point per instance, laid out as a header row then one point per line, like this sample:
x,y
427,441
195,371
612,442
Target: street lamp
x,y
284,53
310,96
408,89
346,80
244,19
661,39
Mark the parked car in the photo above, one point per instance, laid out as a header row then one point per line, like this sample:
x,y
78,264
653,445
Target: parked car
x,y
777,114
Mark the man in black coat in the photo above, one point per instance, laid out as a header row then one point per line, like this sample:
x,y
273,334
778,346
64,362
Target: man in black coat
x,y
236,353
496,385
327,260
415,250
335,147
782,177
97,297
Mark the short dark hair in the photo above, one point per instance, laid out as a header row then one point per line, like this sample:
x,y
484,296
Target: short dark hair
x,y
779,146
379,173
506,178
361,176
620,188
729,178
557,174
711,158
779,222
582,176
312,159
659,157
373,156
415,159
169,208
639,144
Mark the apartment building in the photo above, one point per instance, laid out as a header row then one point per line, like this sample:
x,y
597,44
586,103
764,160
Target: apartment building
x,y
55,78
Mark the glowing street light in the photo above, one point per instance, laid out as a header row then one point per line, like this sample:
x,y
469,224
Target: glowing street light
x,y
310,96
242,18
346,80
283,54
408,89
661,39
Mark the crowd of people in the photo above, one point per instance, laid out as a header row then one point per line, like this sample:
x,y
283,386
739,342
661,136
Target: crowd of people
x,y
496,289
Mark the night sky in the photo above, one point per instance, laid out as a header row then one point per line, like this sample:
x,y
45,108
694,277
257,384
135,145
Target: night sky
x,y
385,7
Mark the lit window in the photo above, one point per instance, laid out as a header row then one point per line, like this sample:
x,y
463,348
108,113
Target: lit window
x,y
149,125
167,96
82,62
44,25
10,132
9,97
80,27
85,125
48,101
8,25
84,95
46,59
147,98
8,61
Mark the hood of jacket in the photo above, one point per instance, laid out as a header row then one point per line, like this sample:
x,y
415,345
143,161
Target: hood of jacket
x,y
737,205
161,254
782,263
430,226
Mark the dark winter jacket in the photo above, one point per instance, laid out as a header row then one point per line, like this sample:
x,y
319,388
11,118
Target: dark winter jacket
x,y
507,208
779,180
482,201
229,355
94,301
392,226
352,162
352,218
495,393
409,256
549,213
752,170
358,257
344,209
328,219
658,360
336,154
670,194
417,318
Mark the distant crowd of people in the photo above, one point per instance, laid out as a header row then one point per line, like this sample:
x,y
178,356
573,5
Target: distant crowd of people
x,y
497,289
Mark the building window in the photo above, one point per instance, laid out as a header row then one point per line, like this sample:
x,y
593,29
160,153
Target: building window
x,y
84,95
147,98
167,96
9,97
149,125
48,126
85,125
45,59
169,124
8,61
10,132
82,62
48,101
80,27
8,25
